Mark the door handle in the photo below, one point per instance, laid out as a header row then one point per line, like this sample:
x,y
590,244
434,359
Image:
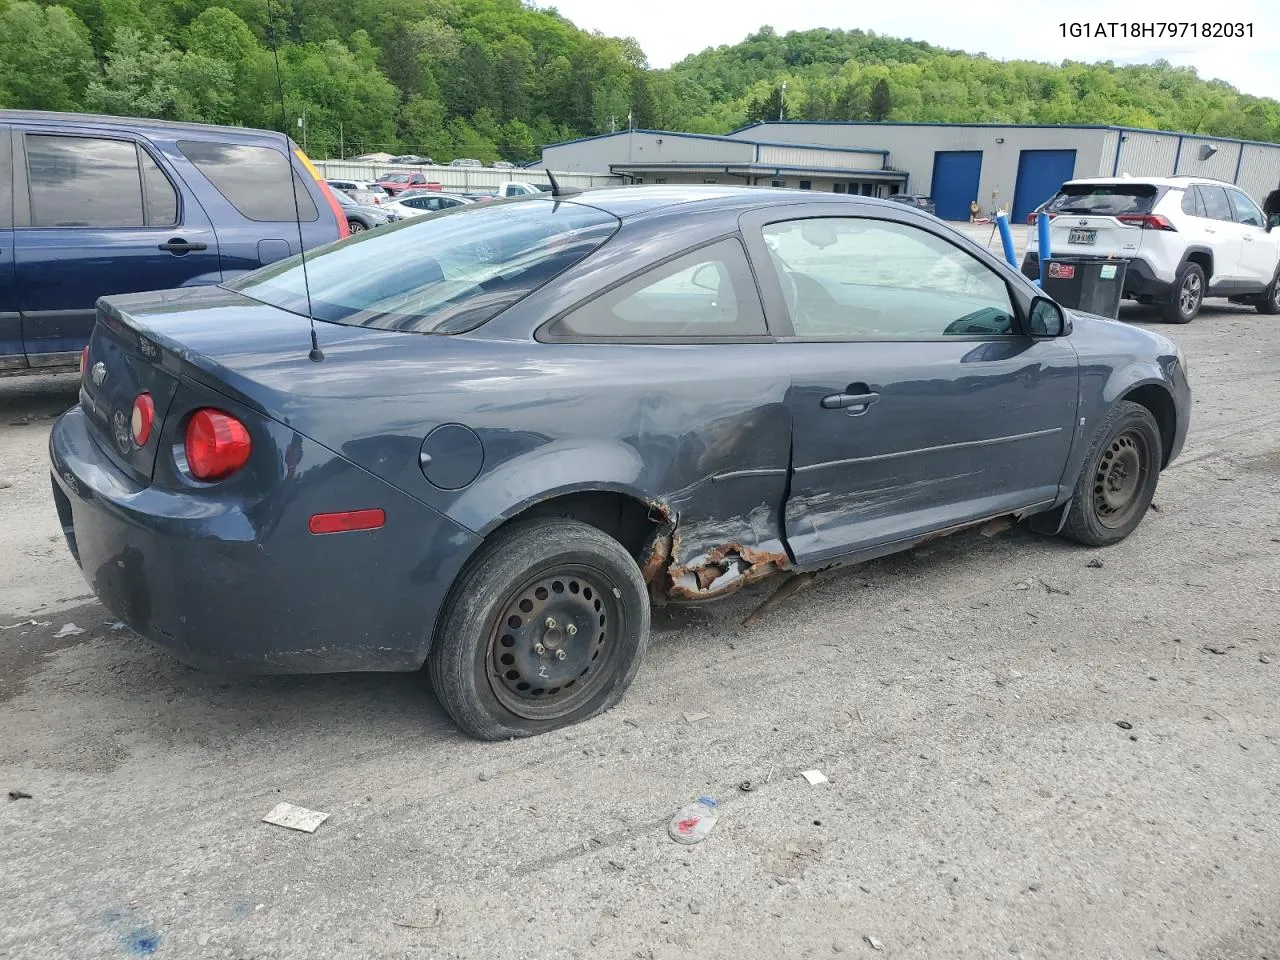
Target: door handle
x,y
1248,239
1210,230
856,402
178,245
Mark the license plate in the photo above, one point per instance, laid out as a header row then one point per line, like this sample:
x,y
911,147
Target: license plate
x,y
1082,236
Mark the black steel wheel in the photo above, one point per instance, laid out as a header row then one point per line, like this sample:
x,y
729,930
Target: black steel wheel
x,y
1119,477
545,627
548,649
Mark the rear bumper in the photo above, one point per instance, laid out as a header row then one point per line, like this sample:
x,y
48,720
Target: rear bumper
x,y
243,586
1139,279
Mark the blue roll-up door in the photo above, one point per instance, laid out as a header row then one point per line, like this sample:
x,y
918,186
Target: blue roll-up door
x,y
1040,174
955,182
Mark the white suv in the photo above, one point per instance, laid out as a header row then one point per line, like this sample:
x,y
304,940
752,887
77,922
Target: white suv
x,y
1185,238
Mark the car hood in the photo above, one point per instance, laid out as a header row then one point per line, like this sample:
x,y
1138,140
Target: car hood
x,y
1094,335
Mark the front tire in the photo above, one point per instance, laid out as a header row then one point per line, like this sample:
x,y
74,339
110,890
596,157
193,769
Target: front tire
x,y
1186,295
355,226
545,627
1118,479
1270,302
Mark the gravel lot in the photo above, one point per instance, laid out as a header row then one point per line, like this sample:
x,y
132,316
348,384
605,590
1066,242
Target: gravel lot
x,y
963,699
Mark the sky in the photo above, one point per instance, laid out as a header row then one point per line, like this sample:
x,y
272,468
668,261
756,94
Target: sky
x,y
669,30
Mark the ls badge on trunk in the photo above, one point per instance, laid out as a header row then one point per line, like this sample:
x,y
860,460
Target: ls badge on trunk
x,y
99,373
120,428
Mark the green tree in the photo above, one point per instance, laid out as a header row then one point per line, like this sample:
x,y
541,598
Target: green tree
x,y
881,100
46,58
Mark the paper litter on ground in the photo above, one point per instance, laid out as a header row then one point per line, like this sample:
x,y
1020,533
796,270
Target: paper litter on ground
x,y
295,818
814,777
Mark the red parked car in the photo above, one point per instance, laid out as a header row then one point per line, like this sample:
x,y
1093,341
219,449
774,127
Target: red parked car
x,y
393,183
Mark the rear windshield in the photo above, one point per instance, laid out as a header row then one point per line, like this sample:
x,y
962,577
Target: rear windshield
x,y
396,178
1104,199
440,273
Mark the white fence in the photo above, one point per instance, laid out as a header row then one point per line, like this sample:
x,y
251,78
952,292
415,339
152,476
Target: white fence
x,y
462,179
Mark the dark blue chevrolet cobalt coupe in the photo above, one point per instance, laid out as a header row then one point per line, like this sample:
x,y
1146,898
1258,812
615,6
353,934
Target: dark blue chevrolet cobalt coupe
x,y
526,421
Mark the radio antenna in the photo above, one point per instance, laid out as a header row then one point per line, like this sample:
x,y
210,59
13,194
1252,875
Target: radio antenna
x,y
316,353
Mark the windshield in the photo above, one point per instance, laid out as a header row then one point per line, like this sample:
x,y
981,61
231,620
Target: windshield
x,y
396,178
441,273
1104,199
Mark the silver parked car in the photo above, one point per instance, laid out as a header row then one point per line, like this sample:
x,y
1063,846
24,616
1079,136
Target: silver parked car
x,y
361,191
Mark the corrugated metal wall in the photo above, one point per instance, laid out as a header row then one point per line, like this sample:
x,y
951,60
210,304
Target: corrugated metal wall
x,y
461,178
1260,170
1145,155
817,157
1110,141
1220,166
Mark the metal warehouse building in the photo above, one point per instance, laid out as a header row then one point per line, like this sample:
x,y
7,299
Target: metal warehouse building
x,y
998,165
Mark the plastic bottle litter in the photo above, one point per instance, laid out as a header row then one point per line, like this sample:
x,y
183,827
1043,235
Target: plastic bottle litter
x,y
694,822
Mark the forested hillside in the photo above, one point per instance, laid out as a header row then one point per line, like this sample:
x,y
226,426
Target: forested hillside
x,y
496,79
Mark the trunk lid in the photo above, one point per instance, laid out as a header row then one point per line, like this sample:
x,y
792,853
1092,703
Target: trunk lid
x,y
123,364
1097,236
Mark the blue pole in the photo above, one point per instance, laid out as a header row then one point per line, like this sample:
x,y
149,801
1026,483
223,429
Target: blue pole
x,y
1042,230
1006,238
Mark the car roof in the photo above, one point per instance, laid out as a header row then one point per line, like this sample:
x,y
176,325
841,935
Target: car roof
x,y
632,201
1179,181
141,123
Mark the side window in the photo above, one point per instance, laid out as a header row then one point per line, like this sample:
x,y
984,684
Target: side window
x,y
83,182
1247,211
1216,204
707,293
1192,205
6,180
159,197
255,180
846,277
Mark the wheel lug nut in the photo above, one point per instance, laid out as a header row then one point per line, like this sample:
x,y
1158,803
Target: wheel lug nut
x,y
539,649
560,655
551,623
571,629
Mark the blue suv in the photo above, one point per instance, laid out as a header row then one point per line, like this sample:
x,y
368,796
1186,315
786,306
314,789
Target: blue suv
x,y
92,205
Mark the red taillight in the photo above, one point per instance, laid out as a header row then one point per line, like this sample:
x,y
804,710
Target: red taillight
x,y
347,521
144,417
84,361
1031,218
1147,221
217,445
343,229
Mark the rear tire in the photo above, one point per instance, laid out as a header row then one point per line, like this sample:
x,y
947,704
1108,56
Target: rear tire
x,y
1118,479
534,591
1186,296
1270,302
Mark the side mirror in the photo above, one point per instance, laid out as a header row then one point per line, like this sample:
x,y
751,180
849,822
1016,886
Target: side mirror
x,y
1273,221
1047,319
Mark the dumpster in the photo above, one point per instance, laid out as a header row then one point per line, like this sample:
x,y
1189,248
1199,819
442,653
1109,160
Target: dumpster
x,y
1088,284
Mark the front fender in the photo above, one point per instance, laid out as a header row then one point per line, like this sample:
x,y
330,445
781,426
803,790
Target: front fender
x,y
548,471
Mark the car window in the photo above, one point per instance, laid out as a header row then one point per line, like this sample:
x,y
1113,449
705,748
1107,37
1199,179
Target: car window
x,y
707,293
435,274
1192,205
83,182
159,197
1104,199
254,180
1246,210
1216,204
6,180
846,277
